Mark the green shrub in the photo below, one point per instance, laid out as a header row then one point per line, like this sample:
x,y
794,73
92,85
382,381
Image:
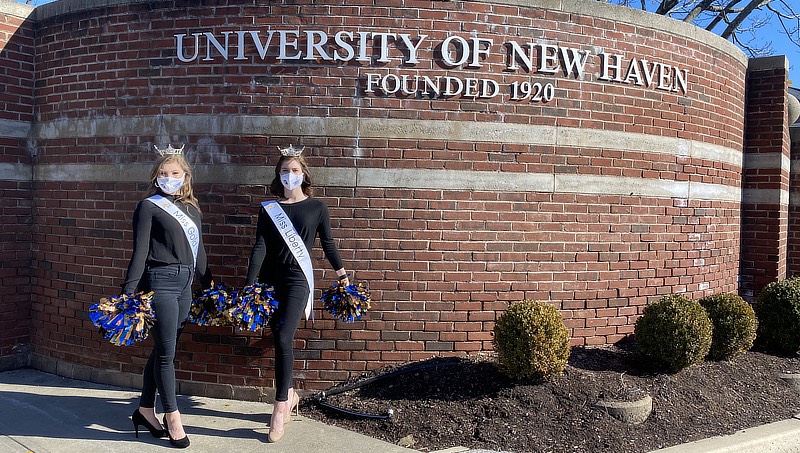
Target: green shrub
x,y
531,341
734,323
778,313
674,332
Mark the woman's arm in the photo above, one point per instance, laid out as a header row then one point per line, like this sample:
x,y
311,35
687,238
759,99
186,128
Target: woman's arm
x,y
328,245
202,270
259,251
142,224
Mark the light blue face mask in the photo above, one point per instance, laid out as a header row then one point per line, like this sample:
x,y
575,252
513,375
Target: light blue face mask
x,y
291,180
170,185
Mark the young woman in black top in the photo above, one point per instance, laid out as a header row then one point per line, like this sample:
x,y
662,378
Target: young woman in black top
x,y
167,252
273,262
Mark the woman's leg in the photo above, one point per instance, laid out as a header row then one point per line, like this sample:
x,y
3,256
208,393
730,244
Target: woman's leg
x,y
171,287
147,401
292,298
164,333
148,398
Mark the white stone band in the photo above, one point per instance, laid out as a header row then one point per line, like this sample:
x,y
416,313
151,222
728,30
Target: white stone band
x,y
212,125
399,178
458,131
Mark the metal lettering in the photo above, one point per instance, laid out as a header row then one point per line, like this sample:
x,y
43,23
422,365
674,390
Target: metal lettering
x,y
453,51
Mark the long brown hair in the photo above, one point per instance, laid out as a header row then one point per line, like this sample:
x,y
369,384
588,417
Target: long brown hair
x,y
276,188
185,194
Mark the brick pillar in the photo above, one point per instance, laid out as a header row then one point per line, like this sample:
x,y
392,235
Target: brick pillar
x,y
16,118
793,258
765,191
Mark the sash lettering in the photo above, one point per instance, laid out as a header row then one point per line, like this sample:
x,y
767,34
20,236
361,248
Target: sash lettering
x,y
189,227
295,244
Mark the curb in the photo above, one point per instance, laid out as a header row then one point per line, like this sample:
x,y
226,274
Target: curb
x,y
778,437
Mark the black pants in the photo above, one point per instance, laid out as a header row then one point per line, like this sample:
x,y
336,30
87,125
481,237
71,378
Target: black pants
x,y
172,298
291,292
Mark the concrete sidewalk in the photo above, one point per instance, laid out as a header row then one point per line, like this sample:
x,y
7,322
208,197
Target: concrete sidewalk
x,y
45,413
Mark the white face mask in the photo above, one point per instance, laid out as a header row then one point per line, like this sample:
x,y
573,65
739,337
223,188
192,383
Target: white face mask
x,y
170,185
291,180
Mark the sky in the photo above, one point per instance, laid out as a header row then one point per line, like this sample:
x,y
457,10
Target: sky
x,y
780,45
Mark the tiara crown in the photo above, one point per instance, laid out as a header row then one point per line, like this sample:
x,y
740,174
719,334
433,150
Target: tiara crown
x,y
291,151
169,150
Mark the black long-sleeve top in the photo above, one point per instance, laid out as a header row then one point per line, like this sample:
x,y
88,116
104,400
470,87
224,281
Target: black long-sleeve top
x,y
159,239
271,254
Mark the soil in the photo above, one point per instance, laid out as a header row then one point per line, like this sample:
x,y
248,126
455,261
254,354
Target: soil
x,y
442,403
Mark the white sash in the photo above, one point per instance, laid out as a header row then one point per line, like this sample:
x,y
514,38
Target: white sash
x,y
189,228
295,244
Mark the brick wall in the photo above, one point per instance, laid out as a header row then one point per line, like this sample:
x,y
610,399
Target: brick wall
x,y
16,115
598,201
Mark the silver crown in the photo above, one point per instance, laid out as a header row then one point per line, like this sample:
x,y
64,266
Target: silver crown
x,y
291,151
169,150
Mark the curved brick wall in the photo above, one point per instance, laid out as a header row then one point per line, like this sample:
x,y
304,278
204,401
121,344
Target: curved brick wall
x,y
16,116
618,188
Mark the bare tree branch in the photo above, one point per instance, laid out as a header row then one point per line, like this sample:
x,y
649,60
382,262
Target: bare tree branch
x,y
791,32
739,21
666,7
723,15
699,8
734,24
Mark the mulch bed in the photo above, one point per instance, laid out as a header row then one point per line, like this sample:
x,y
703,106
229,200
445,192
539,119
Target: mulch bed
x,y
446,402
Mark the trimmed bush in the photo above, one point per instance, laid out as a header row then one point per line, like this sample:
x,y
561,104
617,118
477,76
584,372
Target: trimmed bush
x,y
734,323
778,313
674,332
531,341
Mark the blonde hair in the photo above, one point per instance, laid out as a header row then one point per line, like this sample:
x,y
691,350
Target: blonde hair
x,y
185,194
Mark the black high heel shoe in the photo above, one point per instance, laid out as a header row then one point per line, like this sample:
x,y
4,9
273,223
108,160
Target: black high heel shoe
x,y
139,420
178,443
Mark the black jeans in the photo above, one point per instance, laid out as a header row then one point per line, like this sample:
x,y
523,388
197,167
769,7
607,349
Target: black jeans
x,y
172,298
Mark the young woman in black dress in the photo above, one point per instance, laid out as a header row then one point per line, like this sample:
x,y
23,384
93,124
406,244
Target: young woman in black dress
x,y
279,259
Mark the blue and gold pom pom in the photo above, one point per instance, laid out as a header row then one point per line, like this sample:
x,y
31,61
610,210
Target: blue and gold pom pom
x,y
124,319
213,306
255,304
346,303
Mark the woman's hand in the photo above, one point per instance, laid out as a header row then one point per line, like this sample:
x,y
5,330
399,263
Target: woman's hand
x,y
343,277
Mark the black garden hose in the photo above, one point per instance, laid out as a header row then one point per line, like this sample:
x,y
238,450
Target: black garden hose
x,y
321,396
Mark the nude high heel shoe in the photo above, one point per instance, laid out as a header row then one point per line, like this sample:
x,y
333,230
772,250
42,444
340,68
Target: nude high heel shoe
x,y
294,405
276,421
